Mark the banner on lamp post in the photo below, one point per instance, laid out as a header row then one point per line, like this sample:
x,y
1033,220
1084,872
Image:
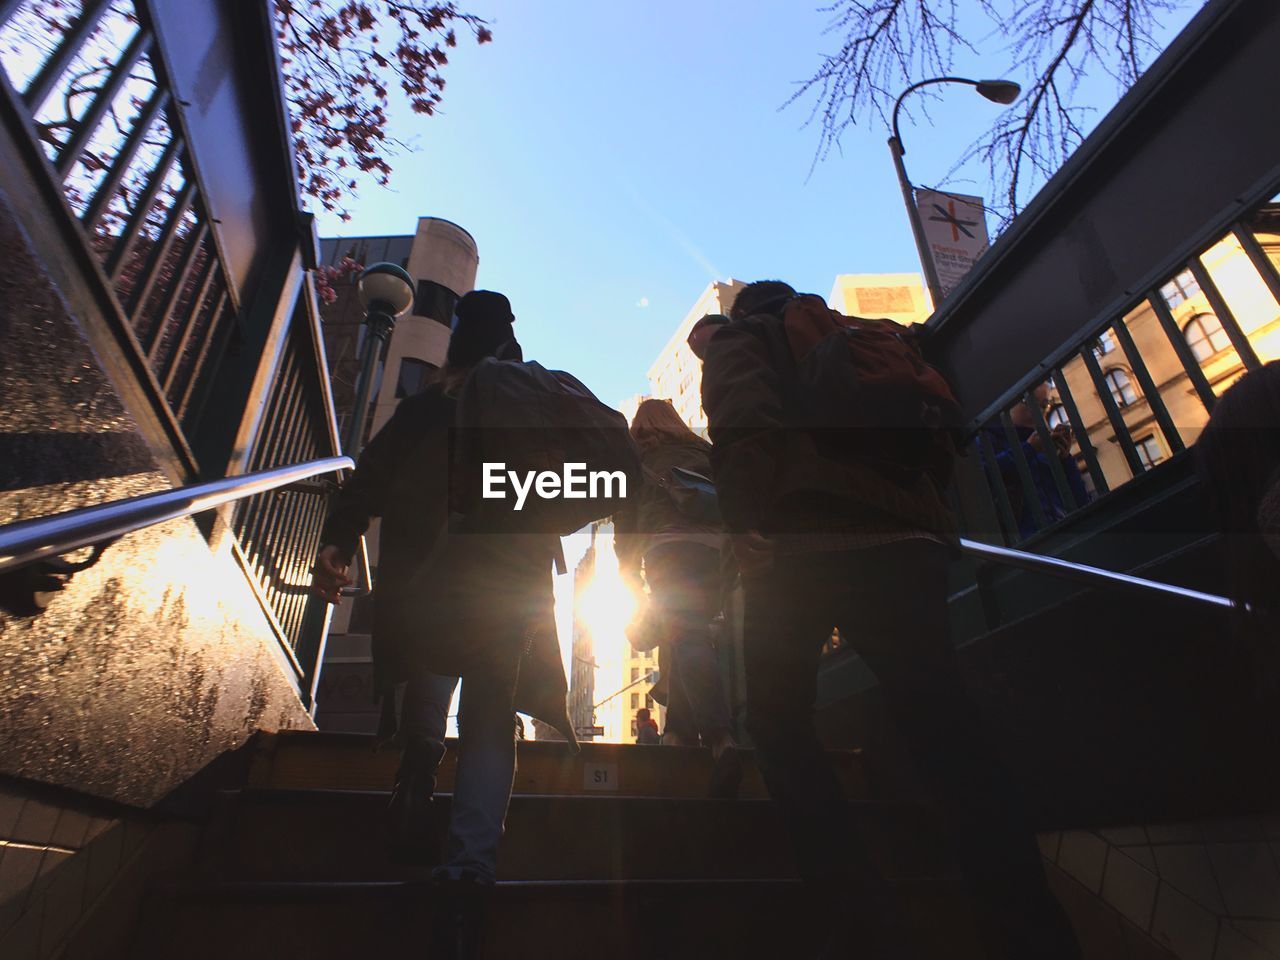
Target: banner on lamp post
x,y
955,227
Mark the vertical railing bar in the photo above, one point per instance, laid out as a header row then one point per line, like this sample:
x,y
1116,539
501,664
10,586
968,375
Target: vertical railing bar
x,y
213,333
995,484
88,124
209,273
133,226
1082,433
42,85
1204,390
1030,493
299,537
1113,411
159,255
1225,317
293,452
1049,450
1261,262
314,526
253,517
195,242
268,455
262,455
120,166
1149,389
276,549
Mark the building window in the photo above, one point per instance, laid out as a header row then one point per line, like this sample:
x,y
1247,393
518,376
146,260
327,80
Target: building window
x,y
436,301
648,701
414,376
635,674
1121,387
1180,288
1149,451
635,701
1104,344
1057,417
1205,336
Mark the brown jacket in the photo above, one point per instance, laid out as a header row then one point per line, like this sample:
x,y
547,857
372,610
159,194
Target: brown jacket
x,y
771,475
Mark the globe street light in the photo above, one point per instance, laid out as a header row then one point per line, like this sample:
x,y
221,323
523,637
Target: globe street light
x,y
386,290
997,91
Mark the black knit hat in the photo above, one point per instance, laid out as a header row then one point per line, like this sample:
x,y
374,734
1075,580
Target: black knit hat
x,y
481,324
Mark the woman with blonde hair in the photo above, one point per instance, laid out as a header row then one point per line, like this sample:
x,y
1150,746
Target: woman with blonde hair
x,y
672,531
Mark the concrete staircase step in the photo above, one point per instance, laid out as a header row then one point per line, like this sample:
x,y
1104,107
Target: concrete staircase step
x,y
329,835
305,760
671,920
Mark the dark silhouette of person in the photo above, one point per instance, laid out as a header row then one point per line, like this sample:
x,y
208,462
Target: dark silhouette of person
x,y
474,606
682,565
824,539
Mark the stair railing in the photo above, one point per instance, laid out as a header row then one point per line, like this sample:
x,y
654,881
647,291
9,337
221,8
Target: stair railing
x,y
1091,576
27,541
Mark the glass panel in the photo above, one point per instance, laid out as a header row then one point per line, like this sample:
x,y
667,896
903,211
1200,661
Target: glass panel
x,y
1180,289
1149,450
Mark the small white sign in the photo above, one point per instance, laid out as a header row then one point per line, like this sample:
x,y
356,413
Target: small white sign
x,y
955,226
600,776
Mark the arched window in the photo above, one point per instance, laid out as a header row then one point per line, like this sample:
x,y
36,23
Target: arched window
x,y
1057,417
1205,336
1121,387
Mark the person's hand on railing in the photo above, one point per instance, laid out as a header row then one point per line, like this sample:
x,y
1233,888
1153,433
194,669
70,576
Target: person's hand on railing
x,y
329,575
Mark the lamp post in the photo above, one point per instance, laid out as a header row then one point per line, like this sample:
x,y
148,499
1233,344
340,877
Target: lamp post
x,y
386,290
997,91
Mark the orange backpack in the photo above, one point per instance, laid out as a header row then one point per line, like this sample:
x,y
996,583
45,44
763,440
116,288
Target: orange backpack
x,y
864,388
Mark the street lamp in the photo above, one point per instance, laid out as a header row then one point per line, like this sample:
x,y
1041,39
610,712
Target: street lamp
x,y
997,91
386,290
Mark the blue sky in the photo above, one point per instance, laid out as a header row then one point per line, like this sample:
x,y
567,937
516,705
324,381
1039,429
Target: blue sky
x,y
612,158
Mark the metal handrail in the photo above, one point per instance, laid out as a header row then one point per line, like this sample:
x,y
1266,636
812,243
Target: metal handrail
x,y
1093,576
29,540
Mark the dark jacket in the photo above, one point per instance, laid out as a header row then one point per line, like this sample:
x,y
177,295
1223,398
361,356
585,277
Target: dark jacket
x,y
771,475
1042,479
653,511
438,600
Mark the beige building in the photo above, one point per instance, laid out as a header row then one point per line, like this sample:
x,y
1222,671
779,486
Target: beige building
x,y
1249,301
677,374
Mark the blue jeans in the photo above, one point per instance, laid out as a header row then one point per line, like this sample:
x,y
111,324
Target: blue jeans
x,y
486,759
684,579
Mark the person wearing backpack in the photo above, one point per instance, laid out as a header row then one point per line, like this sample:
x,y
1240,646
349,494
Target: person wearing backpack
x,y
673,529
832,451
476,606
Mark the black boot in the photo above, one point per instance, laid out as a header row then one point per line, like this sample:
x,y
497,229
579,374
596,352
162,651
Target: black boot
x,y
413,834
457,917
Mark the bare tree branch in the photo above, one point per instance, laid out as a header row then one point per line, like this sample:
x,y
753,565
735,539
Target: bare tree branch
x,y
890,44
